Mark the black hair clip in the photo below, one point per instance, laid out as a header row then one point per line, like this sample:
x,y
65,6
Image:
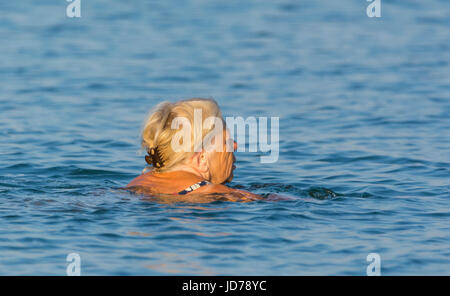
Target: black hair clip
x,y
154,157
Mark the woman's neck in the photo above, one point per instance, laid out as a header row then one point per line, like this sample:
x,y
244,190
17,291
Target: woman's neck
x,y
190,170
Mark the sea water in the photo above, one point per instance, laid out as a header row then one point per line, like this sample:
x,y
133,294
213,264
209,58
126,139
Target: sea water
x,y
363,106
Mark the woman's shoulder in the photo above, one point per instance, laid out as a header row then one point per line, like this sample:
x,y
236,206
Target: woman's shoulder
x,y
172,183
167,182
140,180
220,188
214,188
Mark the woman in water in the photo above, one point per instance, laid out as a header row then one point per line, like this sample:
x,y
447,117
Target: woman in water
x,y
197,172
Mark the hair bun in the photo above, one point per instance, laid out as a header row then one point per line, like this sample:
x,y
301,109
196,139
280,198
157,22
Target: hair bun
x,y
154,157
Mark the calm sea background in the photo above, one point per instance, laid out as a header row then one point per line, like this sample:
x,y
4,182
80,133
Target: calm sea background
x,y
364,108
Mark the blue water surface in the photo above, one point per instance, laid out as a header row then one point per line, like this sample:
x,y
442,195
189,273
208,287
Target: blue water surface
x,y
364,108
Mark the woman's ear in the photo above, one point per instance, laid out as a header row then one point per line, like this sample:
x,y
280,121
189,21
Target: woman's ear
x,y
200,161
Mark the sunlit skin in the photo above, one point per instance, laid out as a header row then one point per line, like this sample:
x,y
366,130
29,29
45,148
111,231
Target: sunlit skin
x,y
215,166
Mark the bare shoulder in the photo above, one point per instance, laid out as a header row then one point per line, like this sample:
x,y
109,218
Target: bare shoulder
x,y
135,182
219,188
144,179
215,188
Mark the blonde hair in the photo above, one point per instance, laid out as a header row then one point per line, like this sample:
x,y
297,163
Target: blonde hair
x,y
157,132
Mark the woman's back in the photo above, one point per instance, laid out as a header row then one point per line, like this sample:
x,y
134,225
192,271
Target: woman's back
x,y
171,187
